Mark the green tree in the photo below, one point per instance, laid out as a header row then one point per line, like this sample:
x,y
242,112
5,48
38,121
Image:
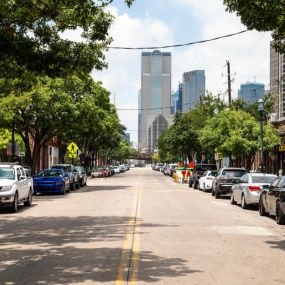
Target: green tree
x,y
181,139
265,15
237,133
32,42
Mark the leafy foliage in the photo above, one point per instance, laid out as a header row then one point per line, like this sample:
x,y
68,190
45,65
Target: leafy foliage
x,y
265,15
31,37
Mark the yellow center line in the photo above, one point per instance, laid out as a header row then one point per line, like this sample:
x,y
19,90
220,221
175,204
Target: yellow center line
x,y
131,245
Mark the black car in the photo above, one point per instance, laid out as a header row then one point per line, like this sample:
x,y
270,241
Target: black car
x,y
225,179
272,201
82,175
73,175
198,171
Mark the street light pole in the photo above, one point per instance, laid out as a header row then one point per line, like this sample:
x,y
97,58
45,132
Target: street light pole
x,y
260,110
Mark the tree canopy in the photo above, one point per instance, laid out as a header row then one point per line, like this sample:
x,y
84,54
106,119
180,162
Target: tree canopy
x,y
31,37
262,15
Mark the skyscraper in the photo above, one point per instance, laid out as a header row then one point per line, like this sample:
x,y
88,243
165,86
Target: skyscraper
x,y
277,82
176,100
194,87
154,98
251,91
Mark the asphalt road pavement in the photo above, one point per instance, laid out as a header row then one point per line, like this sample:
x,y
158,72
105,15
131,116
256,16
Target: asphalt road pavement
x,y
139,227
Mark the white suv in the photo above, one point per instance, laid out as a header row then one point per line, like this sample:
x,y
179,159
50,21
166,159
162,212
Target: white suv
x,y
15,186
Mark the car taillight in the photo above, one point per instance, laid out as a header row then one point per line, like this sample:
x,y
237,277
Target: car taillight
x,y
254,188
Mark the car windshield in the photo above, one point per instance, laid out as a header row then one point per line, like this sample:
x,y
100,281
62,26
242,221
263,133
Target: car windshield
x,y
213,173
50,173
263,178
79,169
66,168
234,172
206,167
7,173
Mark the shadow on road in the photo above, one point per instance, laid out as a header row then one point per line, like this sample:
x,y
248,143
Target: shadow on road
x,y
101,188
64,250
277,244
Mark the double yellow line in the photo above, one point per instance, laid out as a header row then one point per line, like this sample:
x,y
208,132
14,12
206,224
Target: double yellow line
x,y
127,272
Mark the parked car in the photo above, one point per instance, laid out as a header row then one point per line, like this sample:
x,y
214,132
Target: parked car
x,y
170,168
106,172
206,181
117,170
51,181
226,178
272,200
122,168
97,172
248,190
73,175
15,186
198,171
82,175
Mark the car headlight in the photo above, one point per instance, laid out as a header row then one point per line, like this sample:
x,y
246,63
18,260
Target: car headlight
x,y
6,188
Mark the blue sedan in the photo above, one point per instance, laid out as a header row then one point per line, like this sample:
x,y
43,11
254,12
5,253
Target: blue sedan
x,y
51,181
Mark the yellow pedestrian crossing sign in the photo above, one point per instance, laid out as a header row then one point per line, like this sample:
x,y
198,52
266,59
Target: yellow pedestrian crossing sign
x,y
72,148
72,155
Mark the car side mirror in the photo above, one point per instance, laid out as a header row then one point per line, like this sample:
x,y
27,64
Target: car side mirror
x,y
22,178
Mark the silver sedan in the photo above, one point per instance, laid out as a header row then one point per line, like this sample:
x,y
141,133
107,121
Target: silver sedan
x,y
247,192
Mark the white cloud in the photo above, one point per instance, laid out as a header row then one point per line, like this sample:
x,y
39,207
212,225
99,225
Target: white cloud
x,y
248,53
122,77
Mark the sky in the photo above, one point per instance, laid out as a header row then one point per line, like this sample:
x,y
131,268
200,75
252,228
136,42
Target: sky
x,y
168,22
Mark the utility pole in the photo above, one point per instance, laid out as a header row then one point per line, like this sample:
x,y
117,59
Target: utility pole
x,y
229,82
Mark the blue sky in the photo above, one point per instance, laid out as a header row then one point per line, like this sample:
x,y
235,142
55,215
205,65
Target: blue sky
x,y
163,22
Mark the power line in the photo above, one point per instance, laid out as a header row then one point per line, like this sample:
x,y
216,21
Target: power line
x,y
179,45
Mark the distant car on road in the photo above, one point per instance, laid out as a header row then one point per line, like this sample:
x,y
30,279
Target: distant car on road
x,y
226,178
272,200
72,174
248,190
82,175
51,181
198,171
206,181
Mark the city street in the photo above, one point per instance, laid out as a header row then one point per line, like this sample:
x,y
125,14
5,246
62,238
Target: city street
x,y
139,227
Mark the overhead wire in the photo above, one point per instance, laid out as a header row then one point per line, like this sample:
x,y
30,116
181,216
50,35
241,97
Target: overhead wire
x,y
179,45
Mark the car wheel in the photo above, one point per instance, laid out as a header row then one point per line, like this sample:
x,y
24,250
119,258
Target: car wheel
x,y
14,207
243,202
280,216
217,195
28,203
261,208
233,202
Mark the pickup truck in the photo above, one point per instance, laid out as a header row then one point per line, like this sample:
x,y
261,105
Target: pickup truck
x,y
15,186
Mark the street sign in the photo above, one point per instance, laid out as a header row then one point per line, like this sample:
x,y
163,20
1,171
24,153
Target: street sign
x,y
282,148
72,147
72,155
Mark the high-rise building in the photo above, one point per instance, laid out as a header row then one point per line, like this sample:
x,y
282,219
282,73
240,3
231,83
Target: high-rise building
x,y
194,87
277,82
176,100
154,98
251,92
127,137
